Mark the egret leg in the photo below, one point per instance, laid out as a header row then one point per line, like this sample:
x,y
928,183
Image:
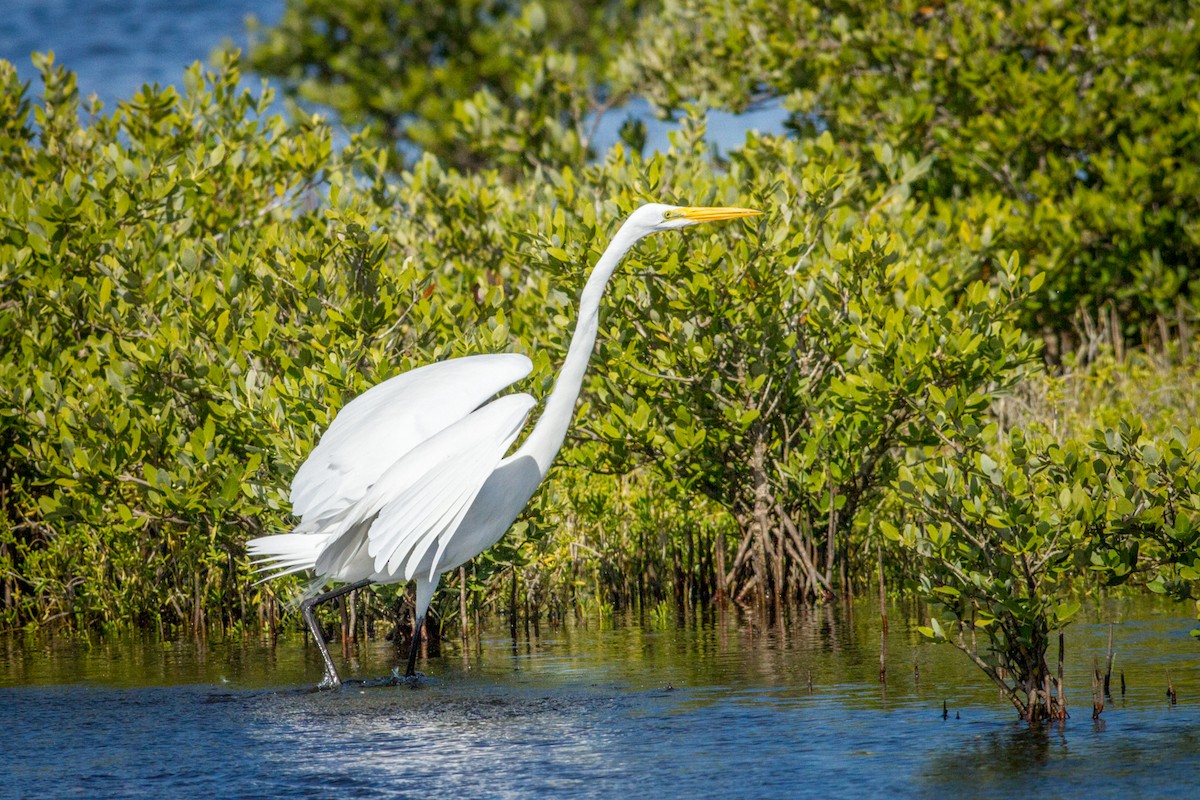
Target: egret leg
x,y
425,590
411,671
331,679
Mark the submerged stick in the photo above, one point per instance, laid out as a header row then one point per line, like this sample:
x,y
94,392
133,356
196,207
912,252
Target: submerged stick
x,y
1062,703
344,616
883,654
1109,663
462,602
882,593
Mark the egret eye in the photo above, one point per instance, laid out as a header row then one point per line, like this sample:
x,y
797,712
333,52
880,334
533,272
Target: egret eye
x,y
672,214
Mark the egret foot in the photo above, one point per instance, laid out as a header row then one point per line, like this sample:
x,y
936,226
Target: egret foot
x,y
411,681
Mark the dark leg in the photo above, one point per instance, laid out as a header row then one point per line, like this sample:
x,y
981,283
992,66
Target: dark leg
x,y
411,672
331,679
425,590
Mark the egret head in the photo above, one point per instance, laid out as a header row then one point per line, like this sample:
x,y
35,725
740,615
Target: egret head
x,y
654,217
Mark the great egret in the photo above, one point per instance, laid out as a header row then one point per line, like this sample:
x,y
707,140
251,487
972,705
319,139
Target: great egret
x,y
411,478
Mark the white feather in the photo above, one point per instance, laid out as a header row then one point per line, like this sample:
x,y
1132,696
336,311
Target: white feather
x,y
443,476
379,426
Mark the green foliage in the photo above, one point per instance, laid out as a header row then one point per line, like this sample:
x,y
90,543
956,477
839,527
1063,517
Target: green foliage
x,y
1080,119
777,373
193,292
180,311
1083,116
475,82
998,530
1003,527
1151,489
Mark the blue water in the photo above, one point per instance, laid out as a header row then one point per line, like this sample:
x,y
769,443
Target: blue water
x,y
467,738
117,46
719,710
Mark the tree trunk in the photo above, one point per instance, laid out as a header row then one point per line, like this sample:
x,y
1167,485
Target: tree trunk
x,y
771,567
802,553
831,541
747,532
722,588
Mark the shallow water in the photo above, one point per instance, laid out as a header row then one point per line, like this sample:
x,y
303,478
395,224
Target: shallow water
x,y
722,708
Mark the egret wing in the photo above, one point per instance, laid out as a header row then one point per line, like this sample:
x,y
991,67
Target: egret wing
x,y
377,428
425,494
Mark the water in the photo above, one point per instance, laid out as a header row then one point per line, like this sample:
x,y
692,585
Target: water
x,y
723,709
116,46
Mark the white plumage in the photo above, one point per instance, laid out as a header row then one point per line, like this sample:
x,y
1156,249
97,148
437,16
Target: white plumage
x,y
385,422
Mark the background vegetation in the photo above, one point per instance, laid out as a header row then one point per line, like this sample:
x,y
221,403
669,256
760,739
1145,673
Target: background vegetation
x,y
956,356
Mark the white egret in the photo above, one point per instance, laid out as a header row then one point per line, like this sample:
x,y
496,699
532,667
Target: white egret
x,y
411,478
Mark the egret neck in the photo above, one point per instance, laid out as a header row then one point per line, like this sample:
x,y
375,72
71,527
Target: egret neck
x,y
547,436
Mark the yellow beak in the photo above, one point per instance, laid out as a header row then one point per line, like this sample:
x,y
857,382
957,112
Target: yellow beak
x,y
714,213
